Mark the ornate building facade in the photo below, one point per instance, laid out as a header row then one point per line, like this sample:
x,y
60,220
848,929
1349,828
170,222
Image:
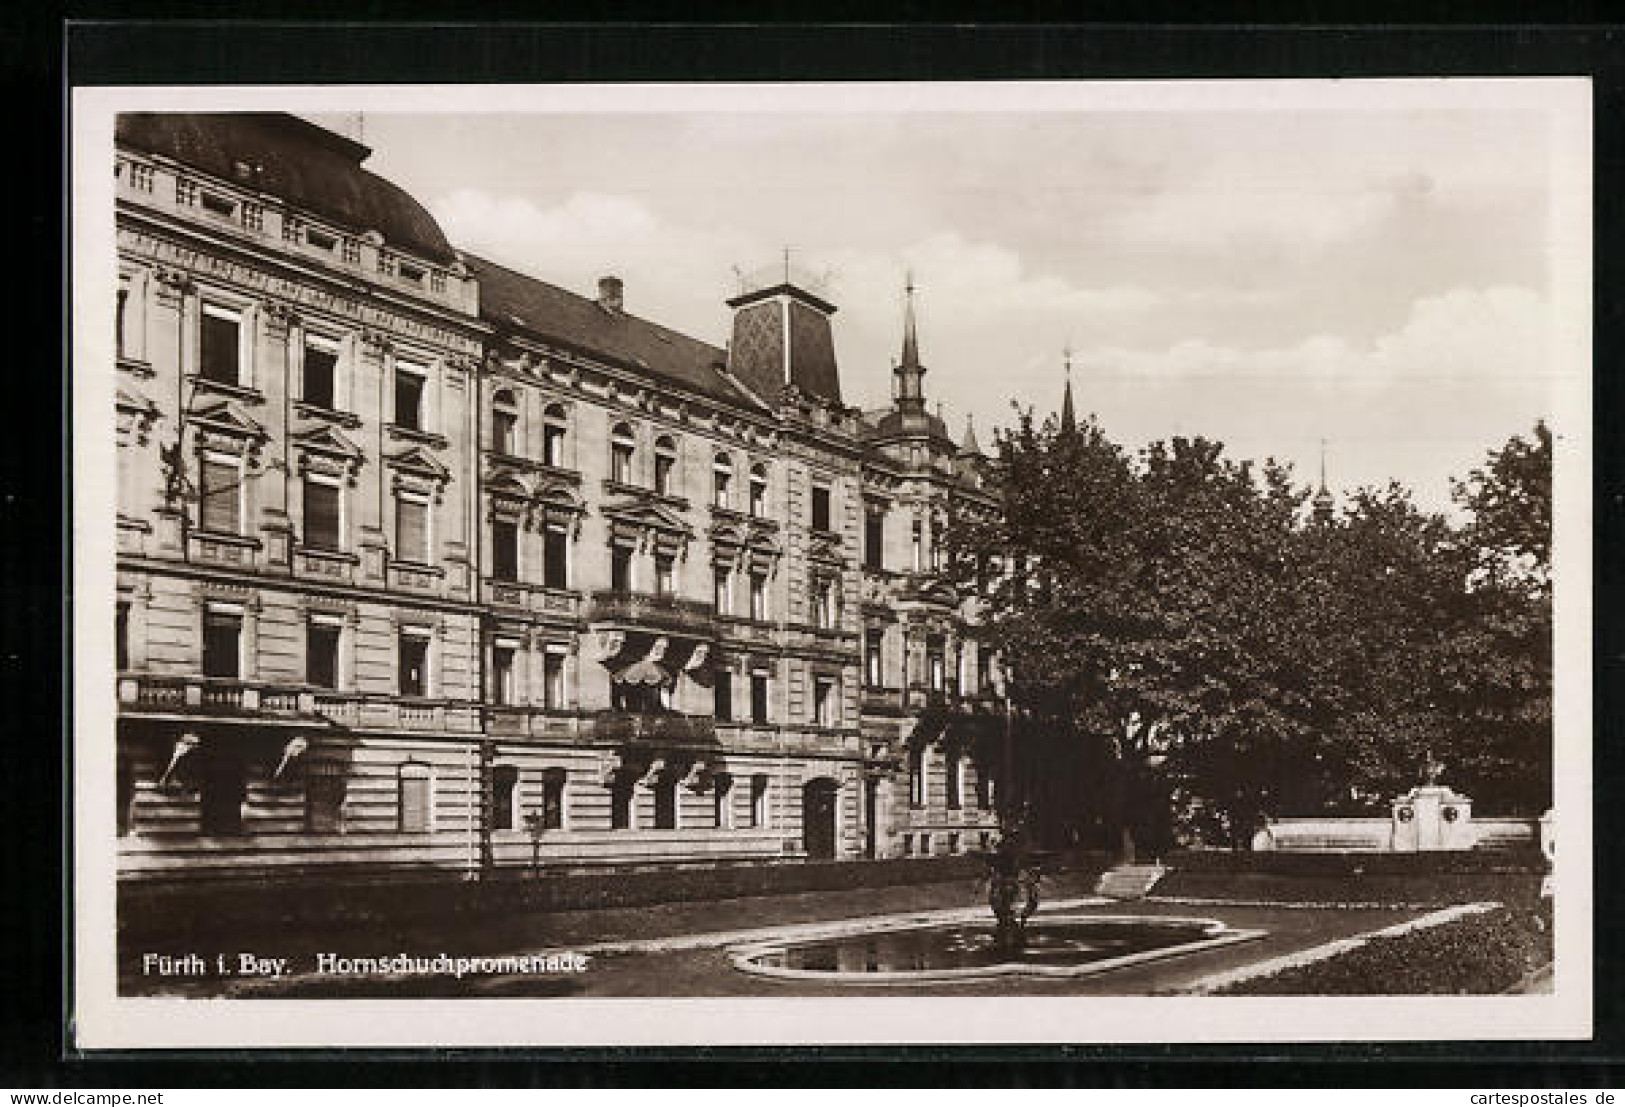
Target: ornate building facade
x,y
424,563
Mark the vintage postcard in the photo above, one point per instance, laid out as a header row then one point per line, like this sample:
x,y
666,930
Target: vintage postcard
x,y
812,564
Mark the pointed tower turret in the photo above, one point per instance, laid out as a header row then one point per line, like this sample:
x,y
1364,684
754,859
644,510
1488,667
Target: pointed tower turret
x,y
1069,420
910,383
970,446
1323,501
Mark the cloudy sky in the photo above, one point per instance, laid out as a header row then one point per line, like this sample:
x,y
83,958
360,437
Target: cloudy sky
x,y
1380,278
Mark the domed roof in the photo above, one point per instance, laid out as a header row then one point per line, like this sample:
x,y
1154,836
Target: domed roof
x,y
308,166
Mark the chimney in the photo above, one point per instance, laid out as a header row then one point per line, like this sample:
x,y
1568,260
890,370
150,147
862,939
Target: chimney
x,y
609,293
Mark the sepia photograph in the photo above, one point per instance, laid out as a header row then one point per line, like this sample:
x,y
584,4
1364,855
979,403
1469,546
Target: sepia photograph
x,y
1048,558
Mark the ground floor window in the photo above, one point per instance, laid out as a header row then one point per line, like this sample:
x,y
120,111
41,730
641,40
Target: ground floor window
x,y
325,785
724,802
552,812
504,787
415,800
758,801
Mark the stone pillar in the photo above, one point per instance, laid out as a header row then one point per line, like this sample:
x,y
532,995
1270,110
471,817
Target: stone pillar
x,y
1432,817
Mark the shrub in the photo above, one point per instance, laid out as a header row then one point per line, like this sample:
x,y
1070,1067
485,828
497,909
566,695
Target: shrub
x,y
1477,955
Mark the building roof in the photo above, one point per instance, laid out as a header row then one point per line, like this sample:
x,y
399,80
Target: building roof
x,y
308,166
510,299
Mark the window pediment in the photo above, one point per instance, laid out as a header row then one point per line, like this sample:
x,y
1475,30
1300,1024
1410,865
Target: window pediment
x,y
325,450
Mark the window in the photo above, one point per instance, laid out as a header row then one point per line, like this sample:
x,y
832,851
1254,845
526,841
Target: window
x,y
322,514
874,532
121,636
352,250
664,579
665,463
925,845
553,677
321,240
502,685
141,177
953,843
908,845
552,799
873,671
414,664
322,635
936,549
121,311
758,490
221,791
411,273
185,191
220,494
555,556
505,549
220,345
620,567
723,696
916,777
722,480
412,528
954,767
219,205
722,590
826,604
666,805
758,597
415,797
934,660
984,790
253,217
917,540
437,280
504,424
321,365
621,450
963,672
504,790
292,229
758,800
325,786
409,384
222,642
386,263
723,801
622,797
758,696
825,706
820,507
553,427
984,657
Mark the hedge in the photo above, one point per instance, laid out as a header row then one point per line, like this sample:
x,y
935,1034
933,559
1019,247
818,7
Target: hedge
x,y
1480,954
216,906
1516,889
1291,863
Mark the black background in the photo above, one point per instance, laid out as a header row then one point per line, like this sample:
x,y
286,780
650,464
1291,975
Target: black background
x,y
45,49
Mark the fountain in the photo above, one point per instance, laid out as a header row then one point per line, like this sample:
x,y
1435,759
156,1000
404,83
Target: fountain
x,y
1069,943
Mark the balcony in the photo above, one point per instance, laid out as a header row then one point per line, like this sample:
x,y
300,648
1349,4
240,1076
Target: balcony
x,y
533,597
200,695
881,701
628,726
643,610
530,721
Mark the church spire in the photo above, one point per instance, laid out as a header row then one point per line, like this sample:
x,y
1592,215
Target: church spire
x,y
1069,421
1323,501
910,387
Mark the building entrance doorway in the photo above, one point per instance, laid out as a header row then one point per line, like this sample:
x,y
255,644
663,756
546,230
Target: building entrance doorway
x,y
818,818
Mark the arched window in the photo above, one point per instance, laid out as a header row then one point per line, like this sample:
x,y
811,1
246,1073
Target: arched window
x,y
665,465
722,486
758,490
504,423
554,425
622,447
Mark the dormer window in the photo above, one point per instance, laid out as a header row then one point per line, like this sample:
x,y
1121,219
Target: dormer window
x,y
292,229
218,205
386,263
412,273
665,465
253,217
723,475
321,240
185,191
352,250
622,448
437,280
